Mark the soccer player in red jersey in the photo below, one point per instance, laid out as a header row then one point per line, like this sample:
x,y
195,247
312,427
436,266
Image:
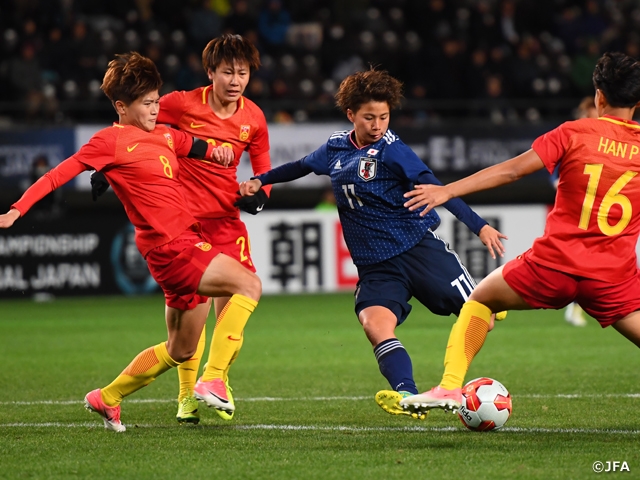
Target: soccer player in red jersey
x,y
139,159
587,253
221,115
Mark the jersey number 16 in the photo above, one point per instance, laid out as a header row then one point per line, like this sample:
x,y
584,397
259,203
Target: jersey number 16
x,y
611,198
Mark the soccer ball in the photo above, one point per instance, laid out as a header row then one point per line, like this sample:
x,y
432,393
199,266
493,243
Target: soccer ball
x,y
486,405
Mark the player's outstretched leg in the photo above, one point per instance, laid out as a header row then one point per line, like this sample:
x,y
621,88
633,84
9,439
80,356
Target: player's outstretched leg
x,y
467,337
142,370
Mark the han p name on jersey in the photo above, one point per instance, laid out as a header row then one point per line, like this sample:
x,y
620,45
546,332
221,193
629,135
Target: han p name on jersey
x,y
367,168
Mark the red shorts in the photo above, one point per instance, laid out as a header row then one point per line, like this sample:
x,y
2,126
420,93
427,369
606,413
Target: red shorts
x,y
229,235
544,287
178,267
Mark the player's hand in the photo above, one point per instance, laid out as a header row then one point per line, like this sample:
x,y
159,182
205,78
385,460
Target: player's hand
x,y
9,218
250,187
223,155
99,185
252,204
429,195
491,238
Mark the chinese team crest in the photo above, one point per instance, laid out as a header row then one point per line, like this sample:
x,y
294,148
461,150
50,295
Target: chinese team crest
x,y
244,132
367,168
204,246
169,140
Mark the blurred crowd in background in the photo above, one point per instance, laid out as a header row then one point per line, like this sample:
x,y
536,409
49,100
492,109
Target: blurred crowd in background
x,y
502,60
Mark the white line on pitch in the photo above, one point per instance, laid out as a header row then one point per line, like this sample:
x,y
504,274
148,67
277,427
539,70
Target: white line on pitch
x,y
336,428
318,399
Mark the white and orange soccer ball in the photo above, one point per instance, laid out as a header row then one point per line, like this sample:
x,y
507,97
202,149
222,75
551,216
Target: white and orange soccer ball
x,y
486,405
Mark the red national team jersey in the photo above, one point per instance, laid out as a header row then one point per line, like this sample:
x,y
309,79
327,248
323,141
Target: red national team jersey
x,y
593,228
211,189
142,168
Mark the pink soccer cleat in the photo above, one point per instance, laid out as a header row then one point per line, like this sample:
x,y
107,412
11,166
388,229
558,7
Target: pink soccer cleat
x,y
110,415
437,397
214,394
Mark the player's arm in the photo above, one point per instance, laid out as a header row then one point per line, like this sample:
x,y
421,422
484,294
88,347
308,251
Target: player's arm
x,y
408,165
46,184
192,147
260,163
503,173
316,162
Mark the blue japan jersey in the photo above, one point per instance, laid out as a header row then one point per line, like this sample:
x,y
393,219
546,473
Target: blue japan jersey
x,y
369,184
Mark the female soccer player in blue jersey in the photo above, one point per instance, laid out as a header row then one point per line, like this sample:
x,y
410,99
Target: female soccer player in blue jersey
x,y
396,251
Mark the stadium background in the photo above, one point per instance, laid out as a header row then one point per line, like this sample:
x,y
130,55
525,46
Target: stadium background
x,y
482,79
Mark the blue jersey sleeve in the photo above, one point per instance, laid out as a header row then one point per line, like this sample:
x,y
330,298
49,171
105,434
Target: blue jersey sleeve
x,y
404,162
315,162
318,161
407,164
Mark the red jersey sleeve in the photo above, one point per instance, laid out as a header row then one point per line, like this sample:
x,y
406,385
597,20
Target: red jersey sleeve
x,y
183,142
100,151
260,141
171,108
259,150
552,146
46,184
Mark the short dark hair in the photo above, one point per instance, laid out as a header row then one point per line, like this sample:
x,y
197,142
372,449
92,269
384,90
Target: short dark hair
x,y
372,85
130,76
618,76
229,48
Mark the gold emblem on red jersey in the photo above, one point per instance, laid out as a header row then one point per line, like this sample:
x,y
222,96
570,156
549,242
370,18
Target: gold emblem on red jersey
x,y
204,246
244,132
169,140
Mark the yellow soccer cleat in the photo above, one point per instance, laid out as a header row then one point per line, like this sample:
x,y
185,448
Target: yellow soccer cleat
x,y
188,411
389,401
501,316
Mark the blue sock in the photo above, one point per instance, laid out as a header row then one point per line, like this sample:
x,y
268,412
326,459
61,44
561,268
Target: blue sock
x,y
395,365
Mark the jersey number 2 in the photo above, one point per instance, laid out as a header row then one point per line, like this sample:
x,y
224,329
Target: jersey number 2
x,y
611,198
350,192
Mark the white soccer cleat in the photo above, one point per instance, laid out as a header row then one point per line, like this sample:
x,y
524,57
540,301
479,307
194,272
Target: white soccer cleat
x,y
573,314
437,397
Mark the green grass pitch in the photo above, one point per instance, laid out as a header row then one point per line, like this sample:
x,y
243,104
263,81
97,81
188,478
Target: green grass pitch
x,y
304,386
